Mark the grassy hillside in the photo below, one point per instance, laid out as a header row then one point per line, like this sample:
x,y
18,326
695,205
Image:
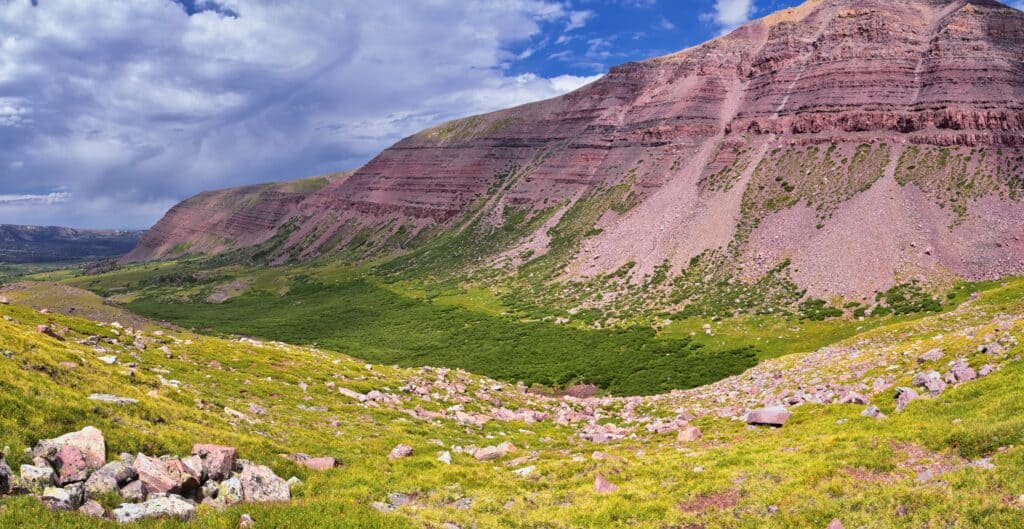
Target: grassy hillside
x,y
410,323
827,462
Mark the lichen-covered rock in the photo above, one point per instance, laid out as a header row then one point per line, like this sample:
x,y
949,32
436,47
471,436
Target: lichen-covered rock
x,y
57,499
109,479
261,485
230,492
36,478
161,506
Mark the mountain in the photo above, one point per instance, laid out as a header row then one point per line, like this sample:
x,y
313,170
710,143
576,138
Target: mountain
x,y
847,145
217,221
47,244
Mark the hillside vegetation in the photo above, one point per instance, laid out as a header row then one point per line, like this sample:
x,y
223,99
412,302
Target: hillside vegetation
x,y
359,313
949,461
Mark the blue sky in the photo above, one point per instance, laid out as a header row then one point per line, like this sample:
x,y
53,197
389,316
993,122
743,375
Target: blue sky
x,y
111,111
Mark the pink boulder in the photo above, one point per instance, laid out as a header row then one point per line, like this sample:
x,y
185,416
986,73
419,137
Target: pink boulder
x,y
603,486
319,463
773,416
689,434
218,461
75,455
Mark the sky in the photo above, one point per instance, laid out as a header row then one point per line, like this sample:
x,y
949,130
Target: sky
x,y
112,111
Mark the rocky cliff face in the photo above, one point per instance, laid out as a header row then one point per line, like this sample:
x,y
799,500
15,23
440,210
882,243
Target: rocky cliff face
x,y
866,141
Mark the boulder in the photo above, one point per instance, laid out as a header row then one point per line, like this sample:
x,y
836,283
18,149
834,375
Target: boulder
x,y
689,434
57,499
400,451
261,485
92,509
188,476
75,455
163,506
931,356
5,477
112,399
603,486
160,476
873,411
134,492
76,491
773,416
931,381
853,397
100,485
961,372
37,478
246,522
835,524
319,463
904,396
218,461
209,490
230,492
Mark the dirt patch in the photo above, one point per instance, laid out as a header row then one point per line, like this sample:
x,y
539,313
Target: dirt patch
x,y
927,465
719,500
871,476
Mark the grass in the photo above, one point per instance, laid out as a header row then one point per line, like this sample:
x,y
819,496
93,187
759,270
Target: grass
x,y
772,336
357,317
827,462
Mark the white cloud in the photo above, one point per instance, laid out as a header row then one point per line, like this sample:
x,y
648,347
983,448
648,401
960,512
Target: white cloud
x,y
1017,4
729,14
578,19
35,200
135,105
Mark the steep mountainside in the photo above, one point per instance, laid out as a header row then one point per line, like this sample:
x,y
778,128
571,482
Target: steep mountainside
x,y
218,221
851,144
47,244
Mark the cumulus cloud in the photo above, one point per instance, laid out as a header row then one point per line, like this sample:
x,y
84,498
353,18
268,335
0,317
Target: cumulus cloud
x,y
728,14
135,105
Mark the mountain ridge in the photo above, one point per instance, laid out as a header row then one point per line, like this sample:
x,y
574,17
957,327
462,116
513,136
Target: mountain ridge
x,y
794,138
33,244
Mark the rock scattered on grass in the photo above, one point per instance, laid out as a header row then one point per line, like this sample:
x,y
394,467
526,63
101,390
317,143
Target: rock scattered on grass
x,y
603,486
776,416
400,451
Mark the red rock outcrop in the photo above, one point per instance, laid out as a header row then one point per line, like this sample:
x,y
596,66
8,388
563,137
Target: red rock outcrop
x,y
692,135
